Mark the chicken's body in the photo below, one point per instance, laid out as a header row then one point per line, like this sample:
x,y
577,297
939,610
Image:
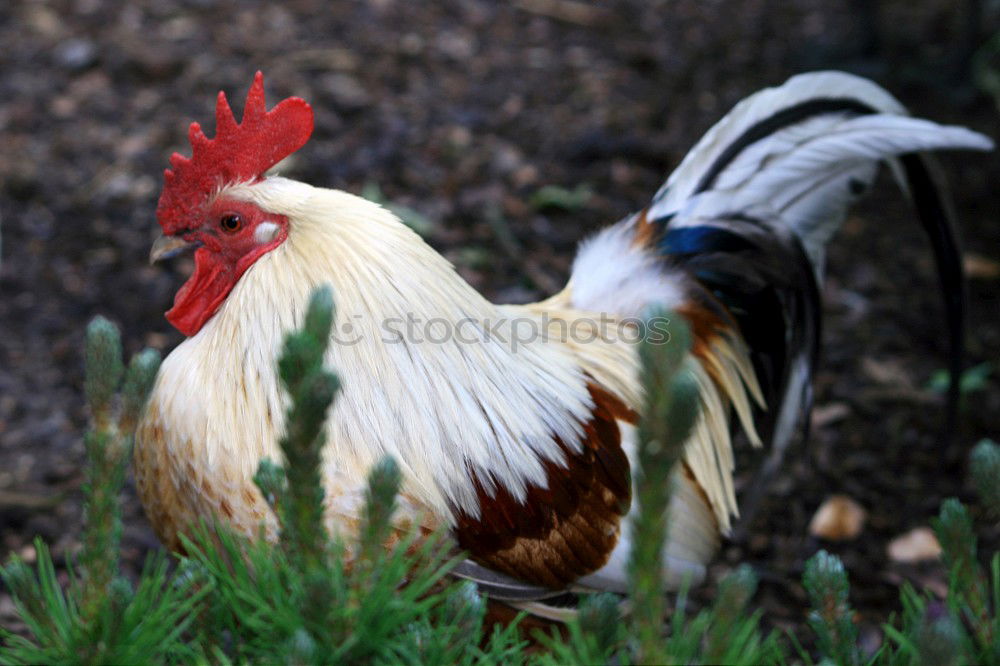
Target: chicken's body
x,y
450,411
514,425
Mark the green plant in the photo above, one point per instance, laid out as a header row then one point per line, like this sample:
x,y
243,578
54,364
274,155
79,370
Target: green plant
x,y
554,197
964,628
100,618
383,595
826,584
670,412
985,467
973,379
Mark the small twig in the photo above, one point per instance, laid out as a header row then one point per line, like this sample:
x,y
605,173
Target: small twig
x,y
10,499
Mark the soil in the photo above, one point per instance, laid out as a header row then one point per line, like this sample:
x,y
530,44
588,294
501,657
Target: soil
x,y
462,110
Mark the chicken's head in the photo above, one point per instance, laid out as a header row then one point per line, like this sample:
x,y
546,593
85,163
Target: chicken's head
x,y
228,236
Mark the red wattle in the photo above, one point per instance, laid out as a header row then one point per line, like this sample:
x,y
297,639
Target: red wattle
x,y
198,299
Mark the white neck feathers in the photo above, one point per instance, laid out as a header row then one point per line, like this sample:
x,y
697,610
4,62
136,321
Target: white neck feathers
x,y
430,370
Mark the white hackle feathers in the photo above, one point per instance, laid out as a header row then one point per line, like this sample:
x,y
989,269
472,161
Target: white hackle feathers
x,y
473,398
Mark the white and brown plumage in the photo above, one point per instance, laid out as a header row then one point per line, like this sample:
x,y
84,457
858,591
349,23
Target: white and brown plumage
x,y
523,450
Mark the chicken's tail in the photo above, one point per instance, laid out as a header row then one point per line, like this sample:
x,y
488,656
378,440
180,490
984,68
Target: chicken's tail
x,y
750,210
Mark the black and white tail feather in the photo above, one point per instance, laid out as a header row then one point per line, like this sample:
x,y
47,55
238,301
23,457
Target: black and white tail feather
x,y
779,171
747,215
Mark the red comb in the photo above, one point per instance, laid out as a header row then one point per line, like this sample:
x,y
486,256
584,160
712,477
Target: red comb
x,y
239,152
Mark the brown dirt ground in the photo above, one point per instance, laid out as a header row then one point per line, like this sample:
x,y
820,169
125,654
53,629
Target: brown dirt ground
x,y
462,109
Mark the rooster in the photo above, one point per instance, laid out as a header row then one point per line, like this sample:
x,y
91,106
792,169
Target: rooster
x,y
523,451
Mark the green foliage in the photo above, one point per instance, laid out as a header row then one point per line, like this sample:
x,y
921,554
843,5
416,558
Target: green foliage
x,y
373,611
731,635
144,625
595,636
940,639
108,446
99,618
969,591
312,389
963,629
723,633
826,584
104,369
670,412
985,467
554,197
973,379
599,620
383,595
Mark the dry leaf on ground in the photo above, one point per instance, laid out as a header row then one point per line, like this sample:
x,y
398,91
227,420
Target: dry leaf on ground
x,y
917,545
979,267
839,518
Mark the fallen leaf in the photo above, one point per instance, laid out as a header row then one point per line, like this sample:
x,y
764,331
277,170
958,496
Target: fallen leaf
x,y
917,545
979,267
828,414
28,554
887,372
839,518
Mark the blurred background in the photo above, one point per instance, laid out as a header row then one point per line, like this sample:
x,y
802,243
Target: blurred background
x,y
506,132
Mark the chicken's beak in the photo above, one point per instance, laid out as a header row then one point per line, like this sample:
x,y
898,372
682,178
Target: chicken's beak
x,y
169,246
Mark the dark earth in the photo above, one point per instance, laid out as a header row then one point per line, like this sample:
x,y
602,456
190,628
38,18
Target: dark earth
x,y
463,110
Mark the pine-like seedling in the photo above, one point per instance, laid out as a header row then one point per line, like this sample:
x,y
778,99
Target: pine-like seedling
x,y
300,566
940,638
109,447
380,505
732,635
105,470
985,468
965,628
595,636
953,527
100,618
670,411
826,584
599,618
968,588
312,389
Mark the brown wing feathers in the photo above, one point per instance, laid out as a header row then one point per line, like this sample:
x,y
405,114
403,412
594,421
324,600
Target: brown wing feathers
x,y
568,528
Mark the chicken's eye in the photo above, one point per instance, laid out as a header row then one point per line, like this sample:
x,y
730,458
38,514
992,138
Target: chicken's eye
x,y
231,222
